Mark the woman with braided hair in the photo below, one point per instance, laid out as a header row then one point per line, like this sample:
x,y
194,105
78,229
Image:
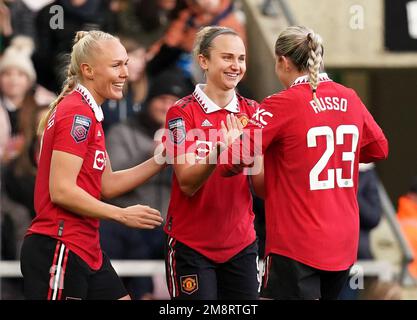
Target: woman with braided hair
x,y
314,134
61,256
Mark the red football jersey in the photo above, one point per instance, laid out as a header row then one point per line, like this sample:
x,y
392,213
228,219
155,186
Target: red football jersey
x,y
311,153
75,127
217,220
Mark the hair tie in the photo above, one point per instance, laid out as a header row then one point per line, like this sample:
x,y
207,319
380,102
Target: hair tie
x,y
314,90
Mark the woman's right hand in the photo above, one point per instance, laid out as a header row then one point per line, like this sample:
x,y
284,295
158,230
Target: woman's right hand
x,y
141,217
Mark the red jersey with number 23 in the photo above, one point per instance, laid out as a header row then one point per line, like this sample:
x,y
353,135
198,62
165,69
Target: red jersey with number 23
x,y
311,153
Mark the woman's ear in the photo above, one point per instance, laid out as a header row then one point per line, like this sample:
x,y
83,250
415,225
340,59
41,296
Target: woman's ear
x,y
281,63
203,62
87,71
286,63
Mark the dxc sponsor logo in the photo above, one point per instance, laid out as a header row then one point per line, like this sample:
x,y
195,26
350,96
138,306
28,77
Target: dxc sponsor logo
x,y
260,114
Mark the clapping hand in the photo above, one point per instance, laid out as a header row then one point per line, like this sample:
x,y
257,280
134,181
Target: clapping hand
x,y
232,130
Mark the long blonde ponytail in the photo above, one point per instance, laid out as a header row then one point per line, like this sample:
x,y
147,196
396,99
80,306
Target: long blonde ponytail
x,y
69,84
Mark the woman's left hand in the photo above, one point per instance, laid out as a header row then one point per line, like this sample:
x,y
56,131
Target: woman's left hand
x,y
232,130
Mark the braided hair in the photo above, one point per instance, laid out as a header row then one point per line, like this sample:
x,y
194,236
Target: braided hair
x,y
304,48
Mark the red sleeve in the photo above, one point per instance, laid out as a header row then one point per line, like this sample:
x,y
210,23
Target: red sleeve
x,y
374,145
178,135
73,130
377,150
269,117
265,126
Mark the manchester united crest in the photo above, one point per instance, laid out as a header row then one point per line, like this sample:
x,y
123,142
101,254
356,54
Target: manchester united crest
x,y
189,283
243,118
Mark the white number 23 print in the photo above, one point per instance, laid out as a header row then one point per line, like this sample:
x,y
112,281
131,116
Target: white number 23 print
x,y
341,131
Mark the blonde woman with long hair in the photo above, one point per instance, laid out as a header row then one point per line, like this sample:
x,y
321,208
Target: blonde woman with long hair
x,y
61,255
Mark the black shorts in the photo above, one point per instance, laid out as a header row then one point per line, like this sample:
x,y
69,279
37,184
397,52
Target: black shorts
x,y
288,279
52,272
192,276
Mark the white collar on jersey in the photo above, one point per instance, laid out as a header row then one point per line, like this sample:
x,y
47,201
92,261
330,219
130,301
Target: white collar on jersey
x,y
209,106
91,102
304,79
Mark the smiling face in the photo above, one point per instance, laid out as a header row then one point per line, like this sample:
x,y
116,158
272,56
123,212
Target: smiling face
x,y
108,72
226,64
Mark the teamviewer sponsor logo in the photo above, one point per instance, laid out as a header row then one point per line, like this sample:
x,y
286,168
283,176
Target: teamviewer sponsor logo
x,y
203,148
99,160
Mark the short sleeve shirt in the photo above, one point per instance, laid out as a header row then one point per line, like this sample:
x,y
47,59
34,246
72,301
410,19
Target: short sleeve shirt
x,y
75,128
311,155
217,221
